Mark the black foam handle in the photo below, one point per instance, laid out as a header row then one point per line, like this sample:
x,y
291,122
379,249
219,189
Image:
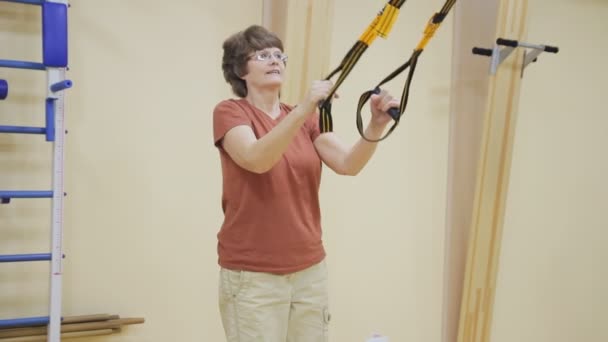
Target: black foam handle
x,y
394,113
552,49
483,52
507,42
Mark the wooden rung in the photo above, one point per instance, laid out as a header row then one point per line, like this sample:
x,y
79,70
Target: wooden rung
x,y
42,338
75,327
41,330
88,318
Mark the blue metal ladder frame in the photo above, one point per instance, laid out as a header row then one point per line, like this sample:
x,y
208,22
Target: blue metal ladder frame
x,y
55,60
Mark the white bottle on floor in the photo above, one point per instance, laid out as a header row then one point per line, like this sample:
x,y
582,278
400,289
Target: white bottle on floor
x,y
377,338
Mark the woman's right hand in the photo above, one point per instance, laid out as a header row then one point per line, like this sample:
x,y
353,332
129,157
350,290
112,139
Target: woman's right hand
x,y
318,92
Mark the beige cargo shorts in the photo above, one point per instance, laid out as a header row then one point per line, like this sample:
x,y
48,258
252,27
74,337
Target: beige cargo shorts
x,y
263,307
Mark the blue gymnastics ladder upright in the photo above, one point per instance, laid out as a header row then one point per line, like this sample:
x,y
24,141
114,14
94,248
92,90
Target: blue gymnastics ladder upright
x,y
55,58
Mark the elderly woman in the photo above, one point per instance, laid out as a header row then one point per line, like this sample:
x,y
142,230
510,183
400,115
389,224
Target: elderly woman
x,y
273,277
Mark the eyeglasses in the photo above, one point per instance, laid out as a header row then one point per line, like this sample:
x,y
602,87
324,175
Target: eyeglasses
x,y
265,56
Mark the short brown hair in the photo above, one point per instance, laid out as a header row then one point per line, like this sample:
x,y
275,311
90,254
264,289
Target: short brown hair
x,y
237,49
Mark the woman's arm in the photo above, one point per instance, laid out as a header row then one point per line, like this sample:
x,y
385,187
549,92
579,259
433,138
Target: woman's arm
x,y
350,161
260,155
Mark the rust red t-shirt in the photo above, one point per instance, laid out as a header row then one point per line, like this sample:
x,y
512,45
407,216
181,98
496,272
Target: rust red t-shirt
x,y
272,221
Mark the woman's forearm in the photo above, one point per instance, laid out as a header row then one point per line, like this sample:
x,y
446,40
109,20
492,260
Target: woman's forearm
x,y
268,150
362,151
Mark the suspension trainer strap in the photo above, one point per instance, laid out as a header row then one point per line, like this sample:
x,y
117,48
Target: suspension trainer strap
x,y
432,26
380,26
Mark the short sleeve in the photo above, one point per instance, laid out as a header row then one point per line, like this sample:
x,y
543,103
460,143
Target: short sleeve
x,y
227,115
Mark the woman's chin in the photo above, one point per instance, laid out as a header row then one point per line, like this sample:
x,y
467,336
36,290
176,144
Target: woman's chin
x,y
274,85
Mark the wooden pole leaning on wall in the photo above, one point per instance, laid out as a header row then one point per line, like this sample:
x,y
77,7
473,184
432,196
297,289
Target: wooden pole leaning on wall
x,y
474,24
304,26
485,99
492,180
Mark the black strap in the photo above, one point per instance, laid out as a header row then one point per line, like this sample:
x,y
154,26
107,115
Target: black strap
x,y
395,113
381,25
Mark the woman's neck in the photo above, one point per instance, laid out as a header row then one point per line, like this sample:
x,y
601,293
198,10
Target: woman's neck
x,y
267,101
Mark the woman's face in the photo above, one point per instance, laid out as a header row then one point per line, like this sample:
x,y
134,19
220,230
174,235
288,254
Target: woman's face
x,y
266,69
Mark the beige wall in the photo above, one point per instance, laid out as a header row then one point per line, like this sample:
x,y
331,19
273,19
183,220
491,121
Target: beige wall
x,y
142,174
384,228
144,183
552,278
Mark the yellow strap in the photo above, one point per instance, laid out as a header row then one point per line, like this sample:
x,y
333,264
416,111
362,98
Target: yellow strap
x,y
381,25
429,32
387,20
370,33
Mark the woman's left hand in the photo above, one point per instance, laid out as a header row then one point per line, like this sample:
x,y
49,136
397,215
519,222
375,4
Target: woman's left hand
x,y
380,104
